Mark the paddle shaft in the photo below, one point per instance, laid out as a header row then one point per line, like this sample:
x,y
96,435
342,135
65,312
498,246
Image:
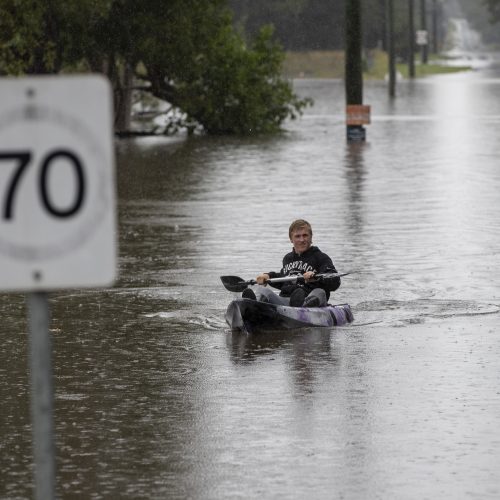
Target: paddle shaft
x,y
316,277
236,284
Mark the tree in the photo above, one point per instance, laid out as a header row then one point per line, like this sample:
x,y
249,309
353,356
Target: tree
x,y
303,25
483,16
299,24
228,86
494,9
45,37
185,51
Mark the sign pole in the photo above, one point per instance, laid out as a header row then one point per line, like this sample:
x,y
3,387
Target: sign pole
x,y
42,395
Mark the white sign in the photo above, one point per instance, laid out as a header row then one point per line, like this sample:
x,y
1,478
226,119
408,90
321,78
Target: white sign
x,y
421,37
57,186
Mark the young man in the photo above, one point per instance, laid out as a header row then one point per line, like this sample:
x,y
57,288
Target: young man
x,y
304,260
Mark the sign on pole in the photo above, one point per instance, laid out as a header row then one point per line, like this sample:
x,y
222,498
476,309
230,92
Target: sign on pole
x,y
358,114
57,188
421,37
57,216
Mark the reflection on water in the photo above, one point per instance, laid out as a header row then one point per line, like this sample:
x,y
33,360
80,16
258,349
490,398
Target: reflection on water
x,y
155,398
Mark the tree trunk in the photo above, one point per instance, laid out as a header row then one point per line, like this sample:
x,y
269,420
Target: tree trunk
x,y
123,99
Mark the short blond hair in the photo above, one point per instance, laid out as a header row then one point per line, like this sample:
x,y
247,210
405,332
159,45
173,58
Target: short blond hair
x,y
299,224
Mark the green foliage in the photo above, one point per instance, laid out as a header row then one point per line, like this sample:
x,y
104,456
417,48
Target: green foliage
x,y
22,48
494,9
213,75
45,37
309,25
231,88
188,51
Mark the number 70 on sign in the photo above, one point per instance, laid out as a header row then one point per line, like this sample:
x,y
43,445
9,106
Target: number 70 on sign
x,y
48,164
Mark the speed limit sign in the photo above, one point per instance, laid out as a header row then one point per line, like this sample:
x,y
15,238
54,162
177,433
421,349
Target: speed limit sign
x,y
57,187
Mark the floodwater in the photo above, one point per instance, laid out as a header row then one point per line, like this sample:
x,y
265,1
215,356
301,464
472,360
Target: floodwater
x,y
156,398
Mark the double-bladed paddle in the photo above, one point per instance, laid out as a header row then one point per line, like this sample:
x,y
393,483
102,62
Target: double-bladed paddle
x,y
237,284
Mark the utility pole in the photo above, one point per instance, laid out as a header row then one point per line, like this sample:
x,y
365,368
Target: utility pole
x,y
435,36
423,27
389,7
356,114
411,39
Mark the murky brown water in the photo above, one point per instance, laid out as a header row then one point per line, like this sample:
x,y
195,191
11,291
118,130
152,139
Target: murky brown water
x,y
155,398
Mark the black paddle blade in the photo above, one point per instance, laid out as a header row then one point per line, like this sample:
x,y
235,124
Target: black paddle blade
x,y
235,283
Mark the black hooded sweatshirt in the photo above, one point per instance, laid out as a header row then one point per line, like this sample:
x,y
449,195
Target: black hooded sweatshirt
x,y
313,259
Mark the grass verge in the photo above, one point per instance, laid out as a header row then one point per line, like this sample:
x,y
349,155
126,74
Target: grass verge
x,y
330,64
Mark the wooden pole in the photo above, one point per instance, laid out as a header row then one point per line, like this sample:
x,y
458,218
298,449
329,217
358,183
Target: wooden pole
x,y
411,39
353,56
435,36
423,27
390,47
353,65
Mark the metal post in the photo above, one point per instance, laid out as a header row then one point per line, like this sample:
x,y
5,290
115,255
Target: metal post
x,y
42,395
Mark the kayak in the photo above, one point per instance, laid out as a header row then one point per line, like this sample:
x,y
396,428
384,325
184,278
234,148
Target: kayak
x,y
252,316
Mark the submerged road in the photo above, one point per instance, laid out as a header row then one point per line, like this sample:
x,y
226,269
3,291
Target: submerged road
x,y
156,398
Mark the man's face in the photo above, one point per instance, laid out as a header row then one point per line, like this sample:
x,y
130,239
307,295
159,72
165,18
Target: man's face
x,y
301,239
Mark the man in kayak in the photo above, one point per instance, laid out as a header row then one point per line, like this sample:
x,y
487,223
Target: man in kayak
x,y
305,260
